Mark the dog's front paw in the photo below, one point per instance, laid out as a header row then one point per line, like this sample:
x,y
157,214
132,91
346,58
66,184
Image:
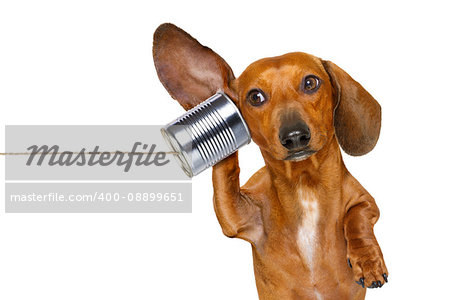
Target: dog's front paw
x,y
366,260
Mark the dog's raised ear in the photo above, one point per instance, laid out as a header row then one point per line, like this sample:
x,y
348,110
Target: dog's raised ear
x,y
357,115
188,70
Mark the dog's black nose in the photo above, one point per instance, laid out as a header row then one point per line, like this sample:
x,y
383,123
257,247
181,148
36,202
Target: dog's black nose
x,y
295,136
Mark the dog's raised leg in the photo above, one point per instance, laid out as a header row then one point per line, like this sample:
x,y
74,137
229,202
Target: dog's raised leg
x,y
236,212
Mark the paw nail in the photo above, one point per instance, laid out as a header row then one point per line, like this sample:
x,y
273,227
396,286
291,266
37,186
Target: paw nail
x,y
349,263
379,283
385,277
360,282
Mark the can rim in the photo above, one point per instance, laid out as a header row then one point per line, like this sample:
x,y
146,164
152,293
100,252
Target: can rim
x,y
180,155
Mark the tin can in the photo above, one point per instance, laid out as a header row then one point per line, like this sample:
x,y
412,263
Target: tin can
x,y
206,134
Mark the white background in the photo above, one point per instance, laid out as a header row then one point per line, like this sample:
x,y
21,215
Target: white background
x,y
89,62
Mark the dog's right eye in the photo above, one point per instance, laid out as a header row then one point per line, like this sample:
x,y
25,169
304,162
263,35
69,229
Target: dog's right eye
x,y
311,83
256,97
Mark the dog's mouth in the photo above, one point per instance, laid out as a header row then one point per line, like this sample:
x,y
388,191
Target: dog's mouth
x,y
299,155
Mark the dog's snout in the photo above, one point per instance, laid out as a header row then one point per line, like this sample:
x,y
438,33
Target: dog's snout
x,y
294,134
295,139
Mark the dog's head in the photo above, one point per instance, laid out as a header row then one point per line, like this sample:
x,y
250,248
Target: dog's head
x,y
294,104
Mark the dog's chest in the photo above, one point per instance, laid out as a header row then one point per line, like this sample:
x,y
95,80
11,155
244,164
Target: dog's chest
x,y
307,234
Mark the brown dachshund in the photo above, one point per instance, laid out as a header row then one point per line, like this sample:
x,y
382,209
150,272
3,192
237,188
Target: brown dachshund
x,y
310,223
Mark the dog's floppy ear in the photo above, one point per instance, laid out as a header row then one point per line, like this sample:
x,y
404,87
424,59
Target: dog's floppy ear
x,y
188,70
357,116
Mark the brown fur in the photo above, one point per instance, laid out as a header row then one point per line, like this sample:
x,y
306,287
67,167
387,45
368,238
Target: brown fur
x,y
267,211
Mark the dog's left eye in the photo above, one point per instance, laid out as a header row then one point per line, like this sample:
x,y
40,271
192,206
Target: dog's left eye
x,y
256,97
310,84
